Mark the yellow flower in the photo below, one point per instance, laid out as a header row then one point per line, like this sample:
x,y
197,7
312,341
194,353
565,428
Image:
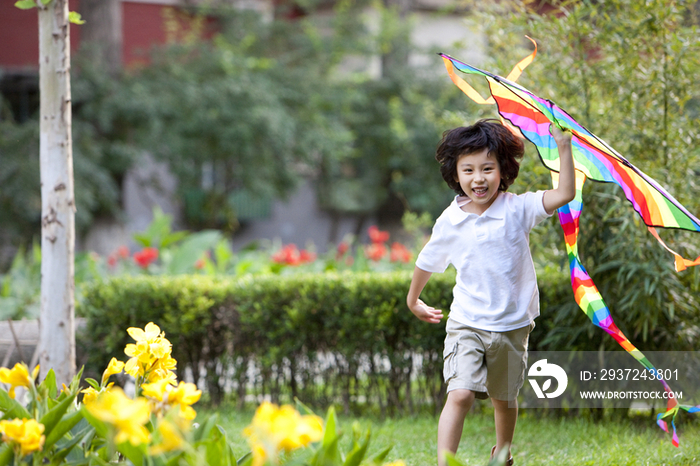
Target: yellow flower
x,y
275,429
149,333
151,351
89,395
157,375
18,376
171,438
114,367
25,433
165,395
185,395
155,390
126,415
396,463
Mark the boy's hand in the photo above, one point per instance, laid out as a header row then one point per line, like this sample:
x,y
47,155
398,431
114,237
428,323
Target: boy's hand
x,y
426,313
560,137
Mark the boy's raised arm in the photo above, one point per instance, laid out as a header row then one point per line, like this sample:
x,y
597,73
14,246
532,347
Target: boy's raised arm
x,y
566,190
415,304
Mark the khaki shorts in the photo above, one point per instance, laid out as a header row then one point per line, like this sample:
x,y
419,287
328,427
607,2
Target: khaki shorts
x,y
477,360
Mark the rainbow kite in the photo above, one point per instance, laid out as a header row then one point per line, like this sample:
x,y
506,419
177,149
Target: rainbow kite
x,y
594,159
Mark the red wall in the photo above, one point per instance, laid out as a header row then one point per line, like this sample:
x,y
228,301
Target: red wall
x,y
19,36
142,25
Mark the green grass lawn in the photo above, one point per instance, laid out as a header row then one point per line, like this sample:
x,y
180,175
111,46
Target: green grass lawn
x,y
538,441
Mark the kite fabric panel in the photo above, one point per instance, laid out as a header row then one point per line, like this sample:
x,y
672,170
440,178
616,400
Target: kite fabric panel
x,y
594,159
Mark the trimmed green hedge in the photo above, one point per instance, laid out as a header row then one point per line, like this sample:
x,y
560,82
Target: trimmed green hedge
x,y
342,338
325,338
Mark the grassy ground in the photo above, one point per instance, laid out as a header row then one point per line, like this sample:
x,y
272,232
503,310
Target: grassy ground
x,y
538,441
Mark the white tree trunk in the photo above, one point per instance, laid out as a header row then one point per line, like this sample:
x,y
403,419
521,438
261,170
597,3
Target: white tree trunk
x,y
57,327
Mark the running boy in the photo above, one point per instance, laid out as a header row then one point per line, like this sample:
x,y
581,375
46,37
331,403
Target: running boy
x,y
484,234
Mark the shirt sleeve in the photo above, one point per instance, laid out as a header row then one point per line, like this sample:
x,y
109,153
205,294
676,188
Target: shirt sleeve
x,y
435,255
531,211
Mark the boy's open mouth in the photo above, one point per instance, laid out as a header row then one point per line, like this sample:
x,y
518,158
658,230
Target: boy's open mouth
x,y
480,191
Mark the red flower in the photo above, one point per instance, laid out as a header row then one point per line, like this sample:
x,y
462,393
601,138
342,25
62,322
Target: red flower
x,y
123,252
399,253
375,251
305,256
112,260
145,257
199,265
342,249
377,236
291,255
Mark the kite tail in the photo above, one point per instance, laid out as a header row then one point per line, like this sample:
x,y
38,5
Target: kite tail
x,y
591,302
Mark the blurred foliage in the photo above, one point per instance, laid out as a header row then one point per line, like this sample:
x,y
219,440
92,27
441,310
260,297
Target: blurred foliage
x,y
245,114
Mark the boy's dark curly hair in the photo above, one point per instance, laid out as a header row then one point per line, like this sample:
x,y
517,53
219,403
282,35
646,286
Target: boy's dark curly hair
x,y
484,134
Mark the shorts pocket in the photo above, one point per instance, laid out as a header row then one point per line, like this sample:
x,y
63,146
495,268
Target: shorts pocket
x,y
449,368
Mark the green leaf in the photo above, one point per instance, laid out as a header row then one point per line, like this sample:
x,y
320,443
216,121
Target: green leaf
x,y
49,383
11,408
204,430
379,457
100,427
93,383
328,454
173,238
143,239
355,457
302,408
63,427
52,418
46,2
25,4
217,448
223,255
330,434
135,454
75,18
245,460
6,454
185,256
64,449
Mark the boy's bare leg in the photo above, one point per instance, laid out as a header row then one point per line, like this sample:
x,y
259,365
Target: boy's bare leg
x,y
451,423
505,418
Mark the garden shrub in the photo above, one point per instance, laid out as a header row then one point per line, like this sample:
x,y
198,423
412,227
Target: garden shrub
x,y
344,338
326,337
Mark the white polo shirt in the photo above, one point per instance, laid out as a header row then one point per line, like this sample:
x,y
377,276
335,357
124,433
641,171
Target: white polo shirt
x,y
496,287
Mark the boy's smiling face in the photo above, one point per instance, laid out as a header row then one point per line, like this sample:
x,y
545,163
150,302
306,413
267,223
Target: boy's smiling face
x,y
479,176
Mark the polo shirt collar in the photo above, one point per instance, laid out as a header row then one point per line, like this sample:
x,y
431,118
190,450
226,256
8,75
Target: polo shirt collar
x,y
457,215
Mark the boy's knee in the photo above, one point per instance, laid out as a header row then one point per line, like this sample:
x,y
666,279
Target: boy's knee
x,y
461,397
